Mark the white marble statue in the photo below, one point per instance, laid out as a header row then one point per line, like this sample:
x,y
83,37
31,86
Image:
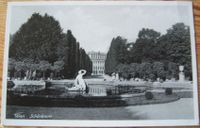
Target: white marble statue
x,y
79,82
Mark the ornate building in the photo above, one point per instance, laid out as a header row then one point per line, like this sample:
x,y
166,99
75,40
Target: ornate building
x,y
98,62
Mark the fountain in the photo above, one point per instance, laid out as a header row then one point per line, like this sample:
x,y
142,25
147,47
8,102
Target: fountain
x,y
76,93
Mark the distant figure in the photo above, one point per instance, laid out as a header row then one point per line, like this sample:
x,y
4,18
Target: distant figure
x,y
27,74
34,75
117,76
51,76
79,82
113,76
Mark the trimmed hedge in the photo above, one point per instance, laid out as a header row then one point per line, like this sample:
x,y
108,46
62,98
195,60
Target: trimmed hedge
x,y
108,92
168,91
149,95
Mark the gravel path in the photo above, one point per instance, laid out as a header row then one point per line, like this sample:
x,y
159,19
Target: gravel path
x,y
181,109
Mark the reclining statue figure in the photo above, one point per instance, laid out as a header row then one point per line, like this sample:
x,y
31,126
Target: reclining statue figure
x,y
79,82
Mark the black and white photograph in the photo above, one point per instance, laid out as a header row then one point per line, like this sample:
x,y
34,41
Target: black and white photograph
x,y
100,63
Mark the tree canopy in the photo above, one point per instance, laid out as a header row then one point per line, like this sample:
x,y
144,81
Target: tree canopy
x,y
42,40
116,54
159,55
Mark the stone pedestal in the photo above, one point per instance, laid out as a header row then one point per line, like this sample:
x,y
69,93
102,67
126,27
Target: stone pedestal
x,y
181,76
181,73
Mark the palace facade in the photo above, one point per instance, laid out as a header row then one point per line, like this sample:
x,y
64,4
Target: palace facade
x,y
98,62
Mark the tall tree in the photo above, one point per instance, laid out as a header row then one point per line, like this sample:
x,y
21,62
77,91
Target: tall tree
x,y
42,41
37,39
175,47
70,54
142,50
117,54
158,70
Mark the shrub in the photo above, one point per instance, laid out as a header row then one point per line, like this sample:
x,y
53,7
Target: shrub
x,y
10,84
87,89
149,95
108,92
168,91
47,84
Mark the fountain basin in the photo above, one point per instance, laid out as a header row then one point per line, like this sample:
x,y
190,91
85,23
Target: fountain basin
x,y
98,96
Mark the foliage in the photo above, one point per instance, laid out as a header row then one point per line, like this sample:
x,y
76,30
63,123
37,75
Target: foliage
x,y
172,70
152,55
145,70
40,44
149,95
124,70
177,44
142,48
57,66
37,39
168,91
108,91
134,70
74,57
116,54
158,70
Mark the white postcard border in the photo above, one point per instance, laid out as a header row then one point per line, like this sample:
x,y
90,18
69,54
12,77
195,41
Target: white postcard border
x,y
98,123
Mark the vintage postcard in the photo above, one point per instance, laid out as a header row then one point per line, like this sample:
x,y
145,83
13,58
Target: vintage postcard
x,y
100,64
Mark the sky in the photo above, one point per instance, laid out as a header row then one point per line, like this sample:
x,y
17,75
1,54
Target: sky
x,y
94,26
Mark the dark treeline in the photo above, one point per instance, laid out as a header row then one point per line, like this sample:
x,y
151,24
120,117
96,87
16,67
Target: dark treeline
x,y
152,55
41,46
